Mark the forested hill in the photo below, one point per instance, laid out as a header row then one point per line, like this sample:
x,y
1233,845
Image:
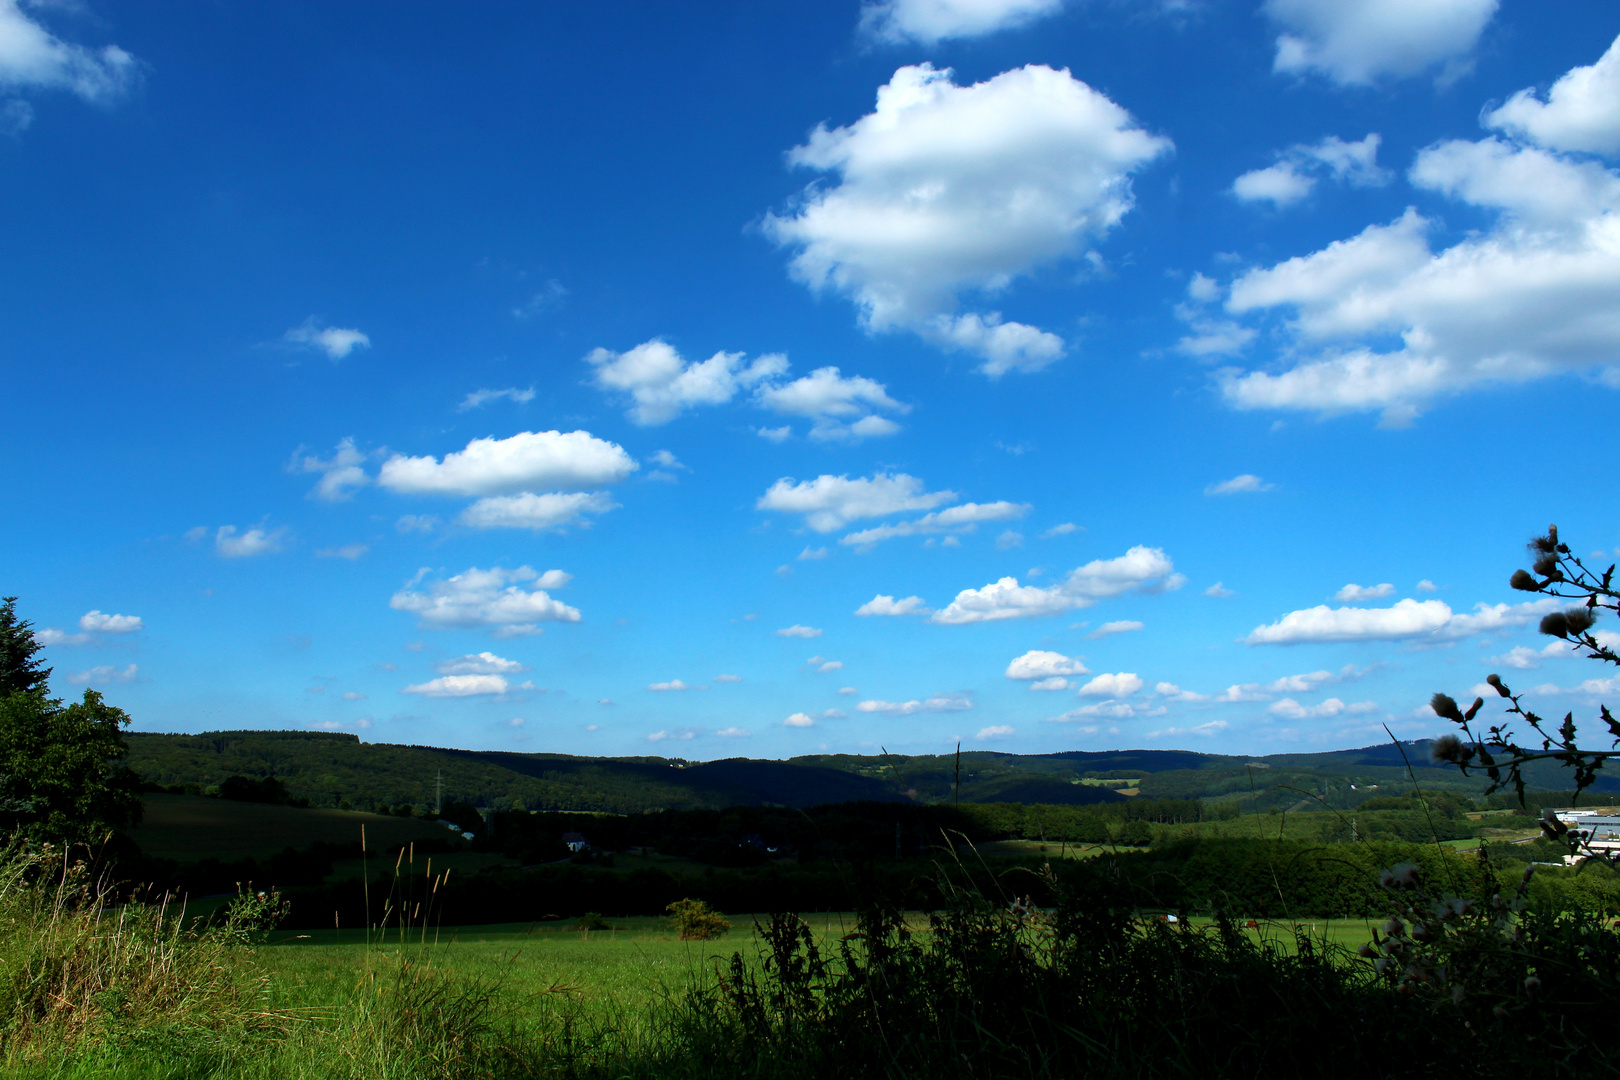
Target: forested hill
x,y
330,769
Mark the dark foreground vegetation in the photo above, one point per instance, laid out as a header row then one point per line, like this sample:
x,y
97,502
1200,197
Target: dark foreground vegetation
x,y
1469,978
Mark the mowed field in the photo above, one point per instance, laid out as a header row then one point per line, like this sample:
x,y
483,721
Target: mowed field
x,y
190,828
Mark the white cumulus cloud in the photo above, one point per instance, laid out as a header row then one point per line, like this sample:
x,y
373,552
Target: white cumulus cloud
x,y
1289,709
932,21
831,502
798,631
32,57
450,686
1406,619
1140,568
484,663
841,408
1043,664
229,543
1528,297
1356,594
945,189
1298,167
995,731
660,384
673,684
479,398
1119,626
958,702
97,622
551,512
336,342
341,474
1238,485
1581,110
1361,42
105,674
888,605
510,602
1122,684
528,461
953,519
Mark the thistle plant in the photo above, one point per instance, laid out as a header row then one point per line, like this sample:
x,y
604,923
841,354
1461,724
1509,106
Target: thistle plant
x,y
1501,752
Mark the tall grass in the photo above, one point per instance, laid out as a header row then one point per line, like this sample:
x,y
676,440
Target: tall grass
x,y
76,969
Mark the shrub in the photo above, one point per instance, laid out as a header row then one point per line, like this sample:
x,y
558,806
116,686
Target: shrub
x,y
693,920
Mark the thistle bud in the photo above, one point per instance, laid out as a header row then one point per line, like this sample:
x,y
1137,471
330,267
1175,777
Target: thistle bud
x,y
1474,708
1445,706
1524,582
1555,625
1546,566
1546,544
1496,681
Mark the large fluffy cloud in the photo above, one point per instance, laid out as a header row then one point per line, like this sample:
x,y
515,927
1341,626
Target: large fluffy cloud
x,y
932,21
527,461
1361,41
511,602
31,56
1431,619
944,189
831,502
1536,294
1581,110
1139,568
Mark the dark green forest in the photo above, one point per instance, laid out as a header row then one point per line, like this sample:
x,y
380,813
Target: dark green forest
x,y
339,770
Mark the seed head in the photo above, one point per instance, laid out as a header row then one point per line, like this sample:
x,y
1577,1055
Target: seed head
x,y
1445,706
1579,620
1555,625
1446,747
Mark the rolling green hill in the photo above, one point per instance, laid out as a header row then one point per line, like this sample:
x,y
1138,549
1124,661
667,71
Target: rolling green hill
x,y
338,770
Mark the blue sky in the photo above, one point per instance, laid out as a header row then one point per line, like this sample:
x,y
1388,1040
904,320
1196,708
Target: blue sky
x,y
767,378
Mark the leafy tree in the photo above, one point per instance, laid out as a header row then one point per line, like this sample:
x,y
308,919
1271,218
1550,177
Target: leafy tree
x,y
20,669
61,775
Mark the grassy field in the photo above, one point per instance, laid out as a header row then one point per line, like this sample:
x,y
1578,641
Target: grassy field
x,y
191,828
638,961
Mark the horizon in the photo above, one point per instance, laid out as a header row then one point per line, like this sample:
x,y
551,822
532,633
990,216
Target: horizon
x,y
756,381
